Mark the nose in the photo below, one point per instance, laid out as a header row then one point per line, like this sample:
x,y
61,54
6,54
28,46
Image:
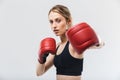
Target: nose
x,y
54,25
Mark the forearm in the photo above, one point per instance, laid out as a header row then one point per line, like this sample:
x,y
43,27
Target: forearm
x,y
47,45
98,46
40,69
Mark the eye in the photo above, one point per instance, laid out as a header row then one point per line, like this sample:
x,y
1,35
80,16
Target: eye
x,y
58,20
50,21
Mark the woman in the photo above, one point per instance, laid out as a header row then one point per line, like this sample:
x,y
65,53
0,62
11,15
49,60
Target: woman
x,y
60,21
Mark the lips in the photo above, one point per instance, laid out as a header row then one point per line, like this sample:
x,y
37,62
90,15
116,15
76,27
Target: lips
x,y
55,31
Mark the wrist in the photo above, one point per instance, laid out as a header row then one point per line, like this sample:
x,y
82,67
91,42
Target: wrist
x,y
41,61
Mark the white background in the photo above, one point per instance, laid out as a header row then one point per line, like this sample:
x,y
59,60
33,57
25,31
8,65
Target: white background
x,y
23,23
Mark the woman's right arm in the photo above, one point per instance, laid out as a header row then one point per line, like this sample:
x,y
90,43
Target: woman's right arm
x,y
46,54
42,68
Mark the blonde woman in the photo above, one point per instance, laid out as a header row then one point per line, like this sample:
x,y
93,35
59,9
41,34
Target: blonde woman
x,y
67,58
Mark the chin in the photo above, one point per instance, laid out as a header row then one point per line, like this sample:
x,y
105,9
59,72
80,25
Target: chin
x,y
57,34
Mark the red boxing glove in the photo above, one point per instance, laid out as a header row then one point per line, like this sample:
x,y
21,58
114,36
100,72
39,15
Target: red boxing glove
x,y
47,45
82,36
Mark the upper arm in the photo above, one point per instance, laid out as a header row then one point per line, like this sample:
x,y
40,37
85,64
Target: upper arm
x,y
49,61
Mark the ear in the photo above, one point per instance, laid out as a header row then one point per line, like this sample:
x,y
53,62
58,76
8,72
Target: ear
x,y
69,22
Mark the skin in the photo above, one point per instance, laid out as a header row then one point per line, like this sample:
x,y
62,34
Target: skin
x,y
58,25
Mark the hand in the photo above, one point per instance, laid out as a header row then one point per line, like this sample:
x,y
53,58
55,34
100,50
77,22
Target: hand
x,y
81,37
47,45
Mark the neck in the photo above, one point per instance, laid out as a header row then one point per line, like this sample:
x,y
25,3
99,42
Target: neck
x,y
63,39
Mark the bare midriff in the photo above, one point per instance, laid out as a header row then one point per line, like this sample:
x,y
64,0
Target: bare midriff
x,y
65,77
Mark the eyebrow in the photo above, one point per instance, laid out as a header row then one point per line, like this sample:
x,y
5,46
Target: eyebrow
x,y
55,19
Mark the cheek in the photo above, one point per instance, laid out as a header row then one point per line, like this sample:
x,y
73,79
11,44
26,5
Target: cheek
x,y
63,28
50,26
62,25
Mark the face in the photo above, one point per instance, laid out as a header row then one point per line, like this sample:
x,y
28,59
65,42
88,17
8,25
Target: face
x,y
58,23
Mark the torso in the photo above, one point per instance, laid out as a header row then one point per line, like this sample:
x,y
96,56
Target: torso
x,y
75,56
64,77
61,48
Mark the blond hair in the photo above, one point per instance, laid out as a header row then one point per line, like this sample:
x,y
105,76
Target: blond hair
x,y
64,11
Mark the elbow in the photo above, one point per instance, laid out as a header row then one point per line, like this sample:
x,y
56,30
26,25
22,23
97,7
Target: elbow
x,y
39,70
38,74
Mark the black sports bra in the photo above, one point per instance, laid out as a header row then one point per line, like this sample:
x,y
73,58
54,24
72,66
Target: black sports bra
x,y
66,64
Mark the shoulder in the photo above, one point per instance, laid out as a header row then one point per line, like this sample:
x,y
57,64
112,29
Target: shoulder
x,y
74,53
58,44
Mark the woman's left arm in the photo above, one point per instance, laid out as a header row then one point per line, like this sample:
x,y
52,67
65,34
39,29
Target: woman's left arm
x,y
98,46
